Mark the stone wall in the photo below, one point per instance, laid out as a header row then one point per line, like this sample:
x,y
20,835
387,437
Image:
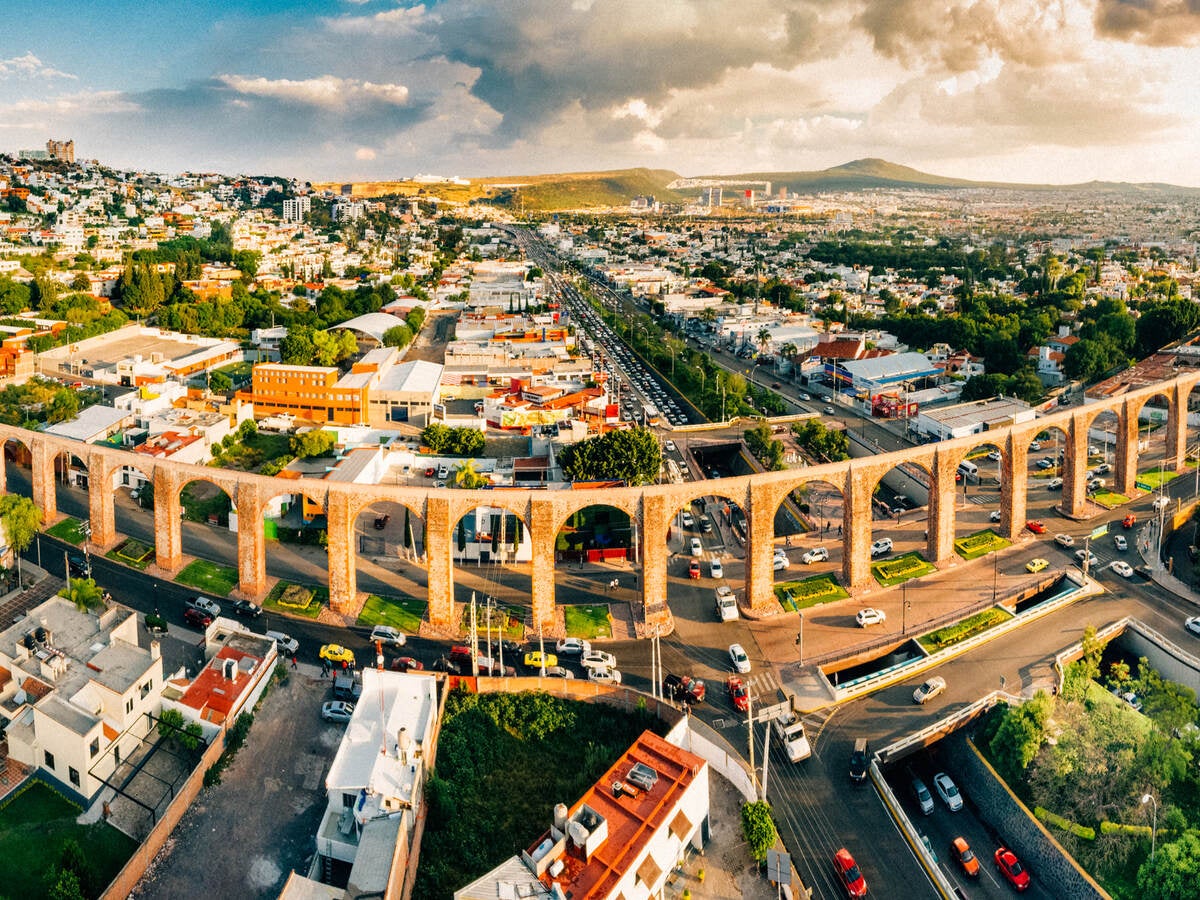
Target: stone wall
x,y
1045,858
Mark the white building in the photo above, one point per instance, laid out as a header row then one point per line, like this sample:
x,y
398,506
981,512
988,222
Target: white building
x,y
295,210
376,782
965,419
77,693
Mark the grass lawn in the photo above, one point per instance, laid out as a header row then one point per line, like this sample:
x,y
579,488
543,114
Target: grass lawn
x,y
980,544
960,631
33,827
794,596
1156,477
210,577
256,451
297,599
509,620
405,614
1109,499
132,553
901,568
588,621
70,530
1097,697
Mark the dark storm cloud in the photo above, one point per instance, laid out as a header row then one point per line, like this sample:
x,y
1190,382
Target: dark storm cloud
x,y
1163,23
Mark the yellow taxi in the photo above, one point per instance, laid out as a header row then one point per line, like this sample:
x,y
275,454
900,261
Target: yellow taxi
x,y
337,653
1036,565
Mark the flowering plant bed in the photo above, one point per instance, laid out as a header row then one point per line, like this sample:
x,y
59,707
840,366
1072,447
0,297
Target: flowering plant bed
x,y
901,568
960,631
794,596
980,544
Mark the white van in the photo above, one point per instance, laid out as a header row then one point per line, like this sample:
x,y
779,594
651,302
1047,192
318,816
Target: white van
x,y
968,469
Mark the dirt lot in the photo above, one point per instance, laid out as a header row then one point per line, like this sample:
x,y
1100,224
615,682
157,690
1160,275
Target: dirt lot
x,y
243,836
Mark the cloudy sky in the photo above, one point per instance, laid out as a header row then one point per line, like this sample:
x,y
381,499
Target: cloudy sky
x,y
1022,90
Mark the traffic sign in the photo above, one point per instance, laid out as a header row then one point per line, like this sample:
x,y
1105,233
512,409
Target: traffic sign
x,y
1099,531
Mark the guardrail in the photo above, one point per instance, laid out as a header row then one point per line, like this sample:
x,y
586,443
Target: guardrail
x,y
933,659
945,724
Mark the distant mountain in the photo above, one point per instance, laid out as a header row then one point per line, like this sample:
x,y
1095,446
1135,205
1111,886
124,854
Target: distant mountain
x,y
581,190
866,174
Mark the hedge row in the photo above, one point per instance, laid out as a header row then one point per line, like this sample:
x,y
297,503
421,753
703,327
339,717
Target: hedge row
x,y
1081,831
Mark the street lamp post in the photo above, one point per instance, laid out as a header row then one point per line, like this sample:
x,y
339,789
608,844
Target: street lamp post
x,y
1149,798
800,638
904,605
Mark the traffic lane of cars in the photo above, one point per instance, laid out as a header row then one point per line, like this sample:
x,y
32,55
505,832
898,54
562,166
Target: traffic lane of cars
x,y
941,827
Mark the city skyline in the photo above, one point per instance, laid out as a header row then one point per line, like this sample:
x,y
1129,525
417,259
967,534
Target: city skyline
x,y
370,89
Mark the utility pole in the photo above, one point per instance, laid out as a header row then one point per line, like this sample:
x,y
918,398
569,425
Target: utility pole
x,y
474,640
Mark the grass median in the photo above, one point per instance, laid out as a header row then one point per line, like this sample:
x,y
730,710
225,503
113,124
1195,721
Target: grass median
x,y
794,596
902,568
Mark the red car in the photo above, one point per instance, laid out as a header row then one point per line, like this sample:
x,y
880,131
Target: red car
x,y
694,569
197,617
407,664
429,472
1129,521
848,871
1036,526
1010,867
738,694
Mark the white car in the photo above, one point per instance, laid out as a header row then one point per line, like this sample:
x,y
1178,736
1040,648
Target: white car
x,y
881,546
930,689
995,516
604,676
870,616
687,520
670,445
598,659
994,456
716,570
1036,445
739,659
948,791
696,547
1193,625
780,563
1084,555
1120,542
1162,503
1054,484
815,555
206,605
1122,568
790,731
727,609
1064,540
572,646
388,636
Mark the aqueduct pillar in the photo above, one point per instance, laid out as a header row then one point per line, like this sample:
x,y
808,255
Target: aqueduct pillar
x,y
339,528
543,519
760,549
42,460
168,536
438,527
1176,454
942,501
1126,451
251,542
101,512
1075,466
856,527
1014,486
656,515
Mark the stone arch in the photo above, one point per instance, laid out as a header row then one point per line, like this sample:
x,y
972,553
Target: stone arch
x,y
1152,421
206,503
898,526
491,547
17,453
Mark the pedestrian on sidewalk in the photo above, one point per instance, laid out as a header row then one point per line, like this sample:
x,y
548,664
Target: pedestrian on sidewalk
x,y
839,530
294,665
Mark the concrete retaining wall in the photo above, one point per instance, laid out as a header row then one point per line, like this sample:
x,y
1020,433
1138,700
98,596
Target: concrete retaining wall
x,y
1172,661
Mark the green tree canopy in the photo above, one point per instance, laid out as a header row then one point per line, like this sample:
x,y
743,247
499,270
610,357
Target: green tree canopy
x,y
1174,872
313,443
21,520
631,455
758,828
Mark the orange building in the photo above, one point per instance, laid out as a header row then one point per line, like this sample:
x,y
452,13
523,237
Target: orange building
x,y
312,393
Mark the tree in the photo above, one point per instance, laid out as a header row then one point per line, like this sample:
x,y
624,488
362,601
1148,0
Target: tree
x,y
466,477
632,455
21,520
313,443
296,348
1020,735
398,336
758,828
1163,323
1175,870
84,593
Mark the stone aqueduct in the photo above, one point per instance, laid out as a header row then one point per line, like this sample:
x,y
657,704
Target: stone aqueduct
x,y
652,507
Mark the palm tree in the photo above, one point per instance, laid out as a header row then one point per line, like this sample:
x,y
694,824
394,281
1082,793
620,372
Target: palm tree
x,y
789,352
466,477
84,593
764,339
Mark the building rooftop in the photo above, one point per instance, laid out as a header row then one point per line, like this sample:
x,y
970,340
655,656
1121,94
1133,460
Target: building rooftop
x,y
998,410
91,423
417,376
619,823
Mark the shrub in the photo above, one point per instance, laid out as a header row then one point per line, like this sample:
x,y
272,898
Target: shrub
x,y
1081,831
758,828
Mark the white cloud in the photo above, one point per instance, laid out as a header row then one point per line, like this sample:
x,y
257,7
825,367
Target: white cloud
x,y
327,91
29,66
364,153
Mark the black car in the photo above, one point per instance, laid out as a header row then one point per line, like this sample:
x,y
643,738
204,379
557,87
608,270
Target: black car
x,y
442,664
79,566
860,761
381,522
245,608
347,687
511,648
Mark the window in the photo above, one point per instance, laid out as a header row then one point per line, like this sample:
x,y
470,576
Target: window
x,y
348,800
144,690
129,706
73,774
95,747
49,760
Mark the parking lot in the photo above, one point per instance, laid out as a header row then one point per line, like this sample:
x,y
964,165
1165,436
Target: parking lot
x,y
260,821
